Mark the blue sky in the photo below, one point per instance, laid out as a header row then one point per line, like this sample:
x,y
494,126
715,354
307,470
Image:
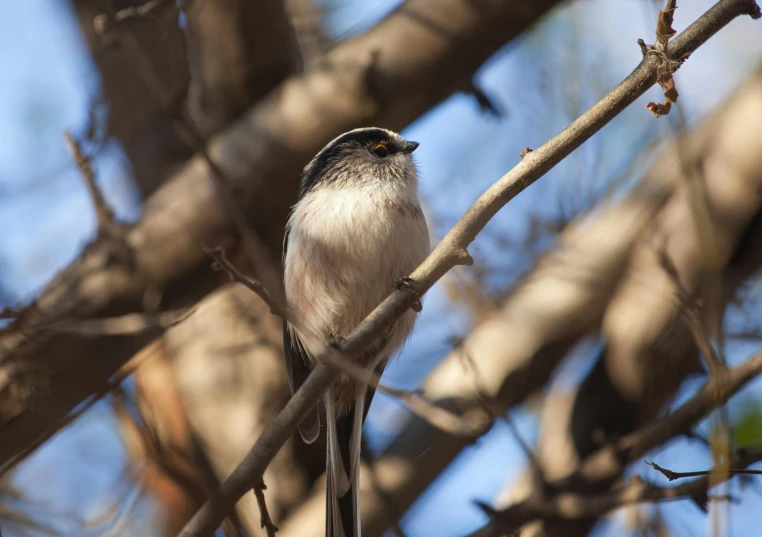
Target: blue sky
x,y
542,80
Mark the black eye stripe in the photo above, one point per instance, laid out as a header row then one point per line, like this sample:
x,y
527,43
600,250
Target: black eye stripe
x,y
364,139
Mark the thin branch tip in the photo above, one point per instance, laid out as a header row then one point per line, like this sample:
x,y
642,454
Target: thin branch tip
x,y
220,262
486,509
265,520
739,455
105,216
486,104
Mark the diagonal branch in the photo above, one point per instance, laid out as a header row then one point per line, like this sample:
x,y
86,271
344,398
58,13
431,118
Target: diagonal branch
x,y
672,475
472,424
450,252
573,506
104,215
606,463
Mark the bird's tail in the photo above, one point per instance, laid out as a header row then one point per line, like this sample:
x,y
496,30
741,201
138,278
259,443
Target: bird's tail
x,y
343,469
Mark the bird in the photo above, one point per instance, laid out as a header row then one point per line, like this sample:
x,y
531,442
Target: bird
x,y
356,232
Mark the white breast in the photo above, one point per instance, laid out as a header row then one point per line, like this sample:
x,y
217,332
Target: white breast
x,y
347,246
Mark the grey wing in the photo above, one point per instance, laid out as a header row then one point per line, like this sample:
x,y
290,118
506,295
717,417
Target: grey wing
x,y
298,369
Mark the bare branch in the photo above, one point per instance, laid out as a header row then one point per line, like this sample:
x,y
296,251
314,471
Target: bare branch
x,y
571,506
265,520
448,254
606,463
689,309
472,424
105,216
113,383
671,475
222,263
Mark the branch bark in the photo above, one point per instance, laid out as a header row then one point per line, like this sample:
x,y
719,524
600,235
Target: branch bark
x,y
145,132
239,52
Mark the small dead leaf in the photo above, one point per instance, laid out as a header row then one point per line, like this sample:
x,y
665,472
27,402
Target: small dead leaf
x,y
670,92
659,110
664,30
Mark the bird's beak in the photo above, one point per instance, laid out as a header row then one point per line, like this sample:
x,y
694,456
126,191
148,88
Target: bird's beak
x,y
409,147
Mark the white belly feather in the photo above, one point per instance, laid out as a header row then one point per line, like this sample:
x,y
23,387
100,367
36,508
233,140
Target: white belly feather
x,y
346,248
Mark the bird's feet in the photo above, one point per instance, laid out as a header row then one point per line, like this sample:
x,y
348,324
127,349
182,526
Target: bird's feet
x,y
411,284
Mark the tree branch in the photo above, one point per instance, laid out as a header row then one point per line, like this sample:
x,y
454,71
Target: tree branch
x,y
671,475
470,425
607,462
265,520
450,252
240,51
150,141
572,506
104,214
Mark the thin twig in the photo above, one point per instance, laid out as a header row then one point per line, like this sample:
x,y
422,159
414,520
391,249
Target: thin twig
x,y
472,424
574,505
671,475
492,407
264,515
451,252
606,464
104,214
223,263
689,310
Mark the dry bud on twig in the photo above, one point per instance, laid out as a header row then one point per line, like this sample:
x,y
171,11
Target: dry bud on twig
x,y
664,33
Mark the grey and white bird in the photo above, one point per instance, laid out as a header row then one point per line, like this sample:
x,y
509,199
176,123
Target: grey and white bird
x,y
355,232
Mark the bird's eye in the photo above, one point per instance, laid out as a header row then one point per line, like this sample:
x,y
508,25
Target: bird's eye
x,y
380,150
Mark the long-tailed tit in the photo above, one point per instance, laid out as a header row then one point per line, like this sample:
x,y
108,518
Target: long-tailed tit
x,y
356,231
